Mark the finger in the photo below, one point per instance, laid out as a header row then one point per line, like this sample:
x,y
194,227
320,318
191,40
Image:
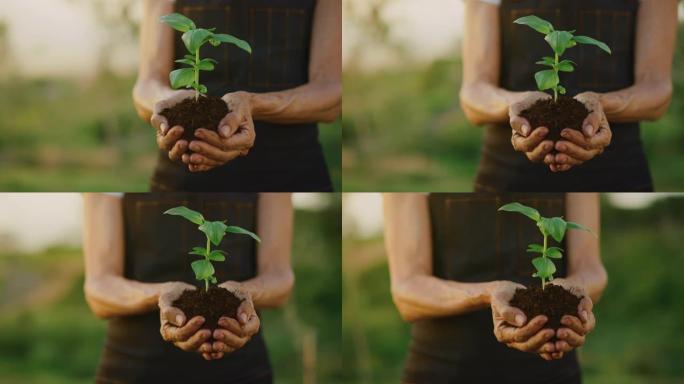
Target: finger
x,y
230,339
528,331
210,137
573,323
195,341
229,125
563,346
549,347
252,325
563,159
179,334
575,136
557,355
171,315
198,159
546,356
217,355
602,138
231,325
243,138
573,150
571,337
512,315
520,125
206,347
221,347
536,341
212,152
540,151
178,150
159,123
591,323
207,356
167,141
549,159
527,144
591,123
199,168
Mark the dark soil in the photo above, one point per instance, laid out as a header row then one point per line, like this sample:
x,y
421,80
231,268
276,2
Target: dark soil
x,y
556,116
207,112
553,302
212,305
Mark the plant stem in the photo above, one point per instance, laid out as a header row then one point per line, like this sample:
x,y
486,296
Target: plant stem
x,y
197,60
546,239
555,89
206,256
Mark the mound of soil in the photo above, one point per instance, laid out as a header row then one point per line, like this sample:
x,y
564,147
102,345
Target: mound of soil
x,y
211,305
553,302
207,112
556,116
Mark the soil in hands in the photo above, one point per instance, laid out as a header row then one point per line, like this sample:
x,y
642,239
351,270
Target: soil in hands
x,y
211,305
553,302
207,112
556,116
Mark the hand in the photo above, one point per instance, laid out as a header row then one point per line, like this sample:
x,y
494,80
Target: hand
x,y
233,334
580,147
576,329
524,138
186,336
235,136
168,139
510,325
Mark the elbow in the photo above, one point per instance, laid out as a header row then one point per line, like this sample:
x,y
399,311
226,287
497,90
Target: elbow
x,y
93,295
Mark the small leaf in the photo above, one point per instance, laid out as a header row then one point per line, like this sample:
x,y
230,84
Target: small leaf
x,y
546,79
538,24
591,41
206,65
561,89
190,57
519,208
202,88
214,42
548,61
213,280
535,248
572,225
178,22
555,227
215,230
545,267
187,213
566,66
186,61
181,78
554,252
242,231
225,38
202,268
559,41
195,38
199,251
217,255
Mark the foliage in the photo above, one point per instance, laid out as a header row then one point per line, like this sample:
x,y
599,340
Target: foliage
x,y
559,42
214,232
548,226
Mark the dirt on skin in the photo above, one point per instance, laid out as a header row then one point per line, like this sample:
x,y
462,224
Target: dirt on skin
x,y
553,302
206,113
556,116
211,305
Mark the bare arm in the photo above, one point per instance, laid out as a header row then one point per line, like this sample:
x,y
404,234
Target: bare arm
x,y
416,292
107,292
650,96
274,281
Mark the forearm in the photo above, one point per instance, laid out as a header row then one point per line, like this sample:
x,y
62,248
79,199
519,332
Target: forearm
x,y
423,297
485,103
270,289
645,100
111,296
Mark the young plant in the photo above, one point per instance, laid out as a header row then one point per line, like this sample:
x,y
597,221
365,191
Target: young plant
x,y
548,226
194,38
214,231
559,42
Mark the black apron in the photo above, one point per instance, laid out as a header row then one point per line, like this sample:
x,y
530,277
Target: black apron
x,y
156,247
623,166
472,242
285,157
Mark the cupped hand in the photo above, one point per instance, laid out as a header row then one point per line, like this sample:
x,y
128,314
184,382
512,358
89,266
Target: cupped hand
x,y
233,334
577,147
235,136
576,329
524,138
168,138
186,335
512,328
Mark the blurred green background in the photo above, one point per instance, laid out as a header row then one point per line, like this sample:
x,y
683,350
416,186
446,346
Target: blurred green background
x,y
70,125
403,129
48,335
639,318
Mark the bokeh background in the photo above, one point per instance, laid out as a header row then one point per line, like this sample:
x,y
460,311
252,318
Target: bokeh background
x,y
67,68
639,318
48,335
403,127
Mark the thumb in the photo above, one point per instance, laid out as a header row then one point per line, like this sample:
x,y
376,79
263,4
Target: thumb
x,y
513,316
591,124
173,316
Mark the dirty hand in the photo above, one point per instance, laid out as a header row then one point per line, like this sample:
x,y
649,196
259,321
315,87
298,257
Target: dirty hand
x,y
235,136
526,139
185,335
511,326
168,138
576,329
580,147
233,334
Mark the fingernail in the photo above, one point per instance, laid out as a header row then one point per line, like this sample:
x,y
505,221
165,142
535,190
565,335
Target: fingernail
x,y
179,319
163,127
525,130
243,317
561,147
519,319
585,315
588,130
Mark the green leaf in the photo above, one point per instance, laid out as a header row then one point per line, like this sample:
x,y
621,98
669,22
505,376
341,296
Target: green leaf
x,y
546,79
187,213
566,66
199,251
561,89
201,88
548,61
559,41
537,23
555,227
206,65
215,230
242,231
591,41
217,255
519,208
190,57
186,61
213,280
535,248
572,225
195,38
178,22
203,269
545,267
182,78
225,38
554,252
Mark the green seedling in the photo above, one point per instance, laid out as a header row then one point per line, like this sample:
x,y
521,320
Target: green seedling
x,y
559,42
555,227
214,231
194,38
